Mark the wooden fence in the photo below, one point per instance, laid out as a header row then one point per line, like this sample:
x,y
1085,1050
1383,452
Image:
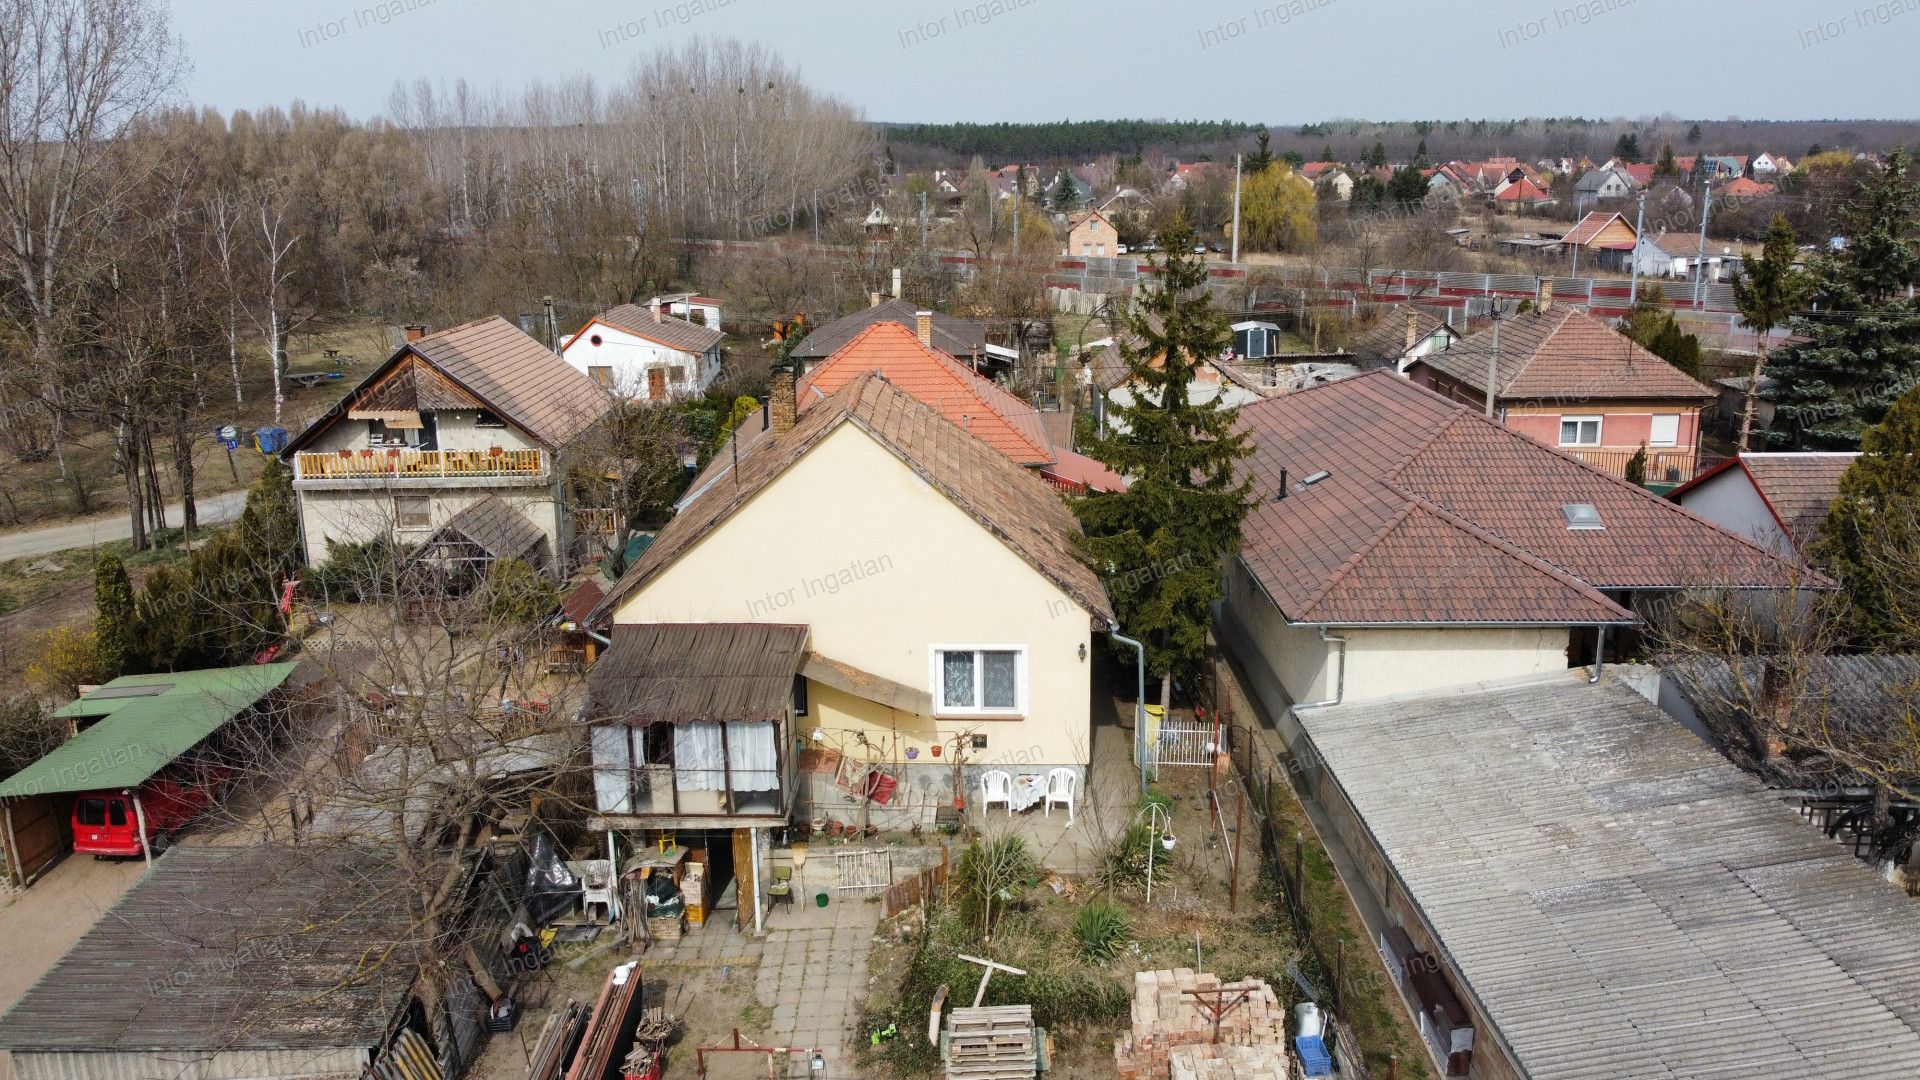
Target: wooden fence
x,y
918,889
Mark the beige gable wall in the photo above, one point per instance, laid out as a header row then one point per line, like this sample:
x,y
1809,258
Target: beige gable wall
x,y
851,542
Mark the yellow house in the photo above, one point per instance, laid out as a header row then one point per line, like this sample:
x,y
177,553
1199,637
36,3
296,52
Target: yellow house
x,y
936,618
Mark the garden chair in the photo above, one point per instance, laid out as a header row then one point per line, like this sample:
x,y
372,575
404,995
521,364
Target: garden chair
x,y
782,888
1061,784
996,786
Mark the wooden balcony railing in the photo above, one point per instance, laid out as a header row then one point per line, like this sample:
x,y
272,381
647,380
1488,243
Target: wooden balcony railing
x,y
1663,466
419,464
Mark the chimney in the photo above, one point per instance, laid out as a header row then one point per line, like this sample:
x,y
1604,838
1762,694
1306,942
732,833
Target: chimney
x,y
897,278
659,314
1413,329
1776,709
781,400
416,332
923,326
1545,302
873,299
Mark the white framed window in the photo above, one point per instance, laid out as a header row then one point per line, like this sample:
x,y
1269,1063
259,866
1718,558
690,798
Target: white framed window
x,y
980,680
1579,431
1665,430
412,512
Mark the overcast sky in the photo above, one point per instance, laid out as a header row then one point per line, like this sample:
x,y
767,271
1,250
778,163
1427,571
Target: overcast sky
x,y
1294,62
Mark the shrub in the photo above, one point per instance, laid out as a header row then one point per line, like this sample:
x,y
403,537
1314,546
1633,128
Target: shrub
x,y
68,657
1636,472
1101,928
994,874
357,573
518,595
1124,864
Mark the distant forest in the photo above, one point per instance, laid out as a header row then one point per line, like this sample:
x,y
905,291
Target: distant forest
x,y
919,145
1066,139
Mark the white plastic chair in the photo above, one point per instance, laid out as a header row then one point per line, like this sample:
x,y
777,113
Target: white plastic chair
x,y
996,786
1060,788
596,883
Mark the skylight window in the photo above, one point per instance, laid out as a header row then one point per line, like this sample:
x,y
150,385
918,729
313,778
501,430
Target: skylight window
x,y
1582,517
1311,479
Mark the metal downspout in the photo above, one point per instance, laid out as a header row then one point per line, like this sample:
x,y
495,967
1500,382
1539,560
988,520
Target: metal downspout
x,y
1139,704
1340,680
1599,655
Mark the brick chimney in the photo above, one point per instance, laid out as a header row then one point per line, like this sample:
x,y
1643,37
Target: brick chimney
x,y
415,332
782,400
923,327
659,314
1413,329
1545,302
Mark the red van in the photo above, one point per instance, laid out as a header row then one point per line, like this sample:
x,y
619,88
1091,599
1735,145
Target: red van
x,y
108,823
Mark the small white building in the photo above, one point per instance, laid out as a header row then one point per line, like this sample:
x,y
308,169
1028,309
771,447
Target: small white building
x,y
648,353
1776,500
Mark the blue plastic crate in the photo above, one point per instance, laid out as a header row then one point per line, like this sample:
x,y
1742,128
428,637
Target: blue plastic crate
x,y
1313,1055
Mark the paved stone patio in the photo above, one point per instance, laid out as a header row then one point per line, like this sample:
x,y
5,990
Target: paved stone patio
x,y
813,972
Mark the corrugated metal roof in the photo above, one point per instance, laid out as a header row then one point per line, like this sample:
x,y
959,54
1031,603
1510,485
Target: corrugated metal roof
x,y
680,673
223,949
1620,900
140,735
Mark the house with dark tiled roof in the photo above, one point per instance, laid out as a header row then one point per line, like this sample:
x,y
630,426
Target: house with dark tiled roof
x,y
649,353
872,566
1569,380
456,437
962,339
1399,336
1778,500
1404,542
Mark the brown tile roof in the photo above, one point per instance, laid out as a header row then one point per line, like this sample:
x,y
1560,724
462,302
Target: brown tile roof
x,y
578,604
1005,499
671,331
955,337
1565,355
979,405
1799,488
489,360
1386,342
1432,513
683,673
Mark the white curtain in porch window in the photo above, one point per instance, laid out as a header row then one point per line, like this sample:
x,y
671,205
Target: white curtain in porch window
x,y
699,760
612,765
756,765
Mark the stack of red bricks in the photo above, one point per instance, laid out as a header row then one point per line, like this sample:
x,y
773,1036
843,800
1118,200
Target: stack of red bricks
x,y
1166,1019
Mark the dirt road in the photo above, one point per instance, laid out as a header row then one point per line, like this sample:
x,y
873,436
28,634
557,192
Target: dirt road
x,y
213,510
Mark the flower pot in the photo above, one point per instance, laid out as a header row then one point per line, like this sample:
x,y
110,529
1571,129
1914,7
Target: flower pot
x,y
934,750
959,802
1167,842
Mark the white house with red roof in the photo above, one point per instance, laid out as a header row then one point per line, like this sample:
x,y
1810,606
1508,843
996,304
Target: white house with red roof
x,y
1778,500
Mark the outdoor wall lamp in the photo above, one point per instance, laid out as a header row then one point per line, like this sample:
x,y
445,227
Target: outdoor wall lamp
x,y
1083,652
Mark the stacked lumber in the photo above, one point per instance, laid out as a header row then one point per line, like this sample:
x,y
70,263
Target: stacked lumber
x,y
1166,1018
992,1043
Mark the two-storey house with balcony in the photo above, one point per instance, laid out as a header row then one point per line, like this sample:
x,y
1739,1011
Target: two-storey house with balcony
x,y
460,430
1571,381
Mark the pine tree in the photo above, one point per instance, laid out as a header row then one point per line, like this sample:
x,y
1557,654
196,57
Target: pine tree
x,y
892,167
1262,157
1326,153
1871,537
1667,166
1694,135
1860,350
114,626
1160,543
1065,195
1407,186
1627,148
271,521
164,615
1420,155
1767,291
1377,155
1636,471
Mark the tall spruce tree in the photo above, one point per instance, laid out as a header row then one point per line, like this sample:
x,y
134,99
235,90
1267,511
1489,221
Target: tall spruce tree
x,y
1859,350
1870,539
114,627
1160,543
1262,157
1767,292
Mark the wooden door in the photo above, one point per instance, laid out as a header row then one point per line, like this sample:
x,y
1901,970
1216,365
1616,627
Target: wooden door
x,y
746,874
656,384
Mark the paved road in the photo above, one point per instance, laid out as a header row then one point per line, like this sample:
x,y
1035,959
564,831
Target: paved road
x,y
213,510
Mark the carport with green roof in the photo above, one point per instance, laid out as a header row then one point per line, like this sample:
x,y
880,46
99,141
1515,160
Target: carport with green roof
x,y
130,730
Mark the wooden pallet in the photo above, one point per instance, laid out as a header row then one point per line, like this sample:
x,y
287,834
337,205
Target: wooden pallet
x,y
992,1043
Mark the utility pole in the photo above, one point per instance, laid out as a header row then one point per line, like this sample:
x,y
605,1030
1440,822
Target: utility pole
x,y
1017,200
1639,220
923,221
1238,160
1700,260
553,326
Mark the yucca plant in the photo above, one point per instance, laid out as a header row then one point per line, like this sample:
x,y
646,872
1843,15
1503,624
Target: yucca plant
x,y
1101,928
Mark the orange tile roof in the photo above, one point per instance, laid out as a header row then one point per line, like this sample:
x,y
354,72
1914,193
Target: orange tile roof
x,y
978,405
1432,513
